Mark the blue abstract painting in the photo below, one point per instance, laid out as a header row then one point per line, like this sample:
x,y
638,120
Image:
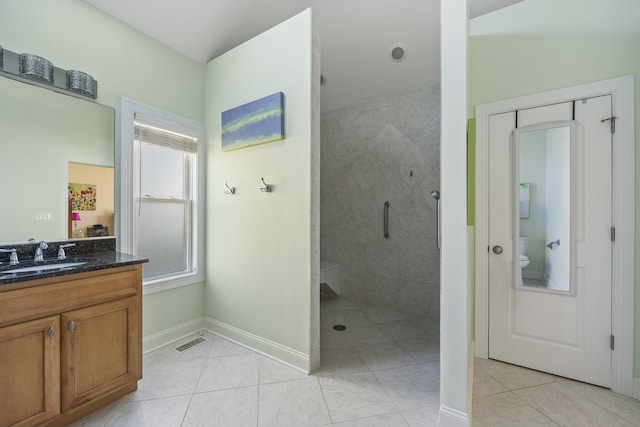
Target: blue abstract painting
x,y
254,123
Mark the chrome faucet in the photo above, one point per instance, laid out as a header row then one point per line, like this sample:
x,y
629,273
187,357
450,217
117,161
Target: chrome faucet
x,y
38,256
13,258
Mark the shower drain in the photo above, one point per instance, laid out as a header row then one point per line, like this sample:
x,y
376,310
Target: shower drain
x,y
339,327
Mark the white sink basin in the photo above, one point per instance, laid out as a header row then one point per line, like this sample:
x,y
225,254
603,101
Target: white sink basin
x,y
46,267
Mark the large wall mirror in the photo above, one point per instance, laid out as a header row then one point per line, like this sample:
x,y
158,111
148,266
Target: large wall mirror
x,y
544,175
50,141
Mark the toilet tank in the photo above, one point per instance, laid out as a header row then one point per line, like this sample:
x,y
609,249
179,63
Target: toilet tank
x,y
524,243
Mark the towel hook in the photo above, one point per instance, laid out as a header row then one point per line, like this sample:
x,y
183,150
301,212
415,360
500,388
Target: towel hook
x,y
268,188
229,190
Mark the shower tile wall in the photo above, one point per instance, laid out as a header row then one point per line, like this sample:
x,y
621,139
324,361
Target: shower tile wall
x,y
387,150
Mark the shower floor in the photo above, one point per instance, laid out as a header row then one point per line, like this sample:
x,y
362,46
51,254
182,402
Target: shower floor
x,y
393,356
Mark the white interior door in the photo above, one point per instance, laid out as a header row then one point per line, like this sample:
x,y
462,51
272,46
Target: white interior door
x,y
562,323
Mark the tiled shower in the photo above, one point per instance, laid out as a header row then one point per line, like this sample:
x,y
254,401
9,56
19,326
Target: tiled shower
x,y
387,150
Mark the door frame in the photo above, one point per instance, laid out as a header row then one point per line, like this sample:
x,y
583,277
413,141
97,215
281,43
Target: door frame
x,y
623,205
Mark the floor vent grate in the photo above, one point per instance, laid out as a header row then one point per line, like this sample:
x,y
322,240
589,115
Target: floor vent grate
x,y
188,345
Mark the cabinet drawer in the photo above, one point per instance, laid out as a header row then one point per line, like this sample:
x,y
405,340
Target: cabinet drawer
x,y
67,293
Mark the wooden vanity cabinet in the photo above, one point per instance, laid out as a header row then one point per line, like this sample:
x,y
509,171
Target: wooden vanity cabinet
x,y
69,345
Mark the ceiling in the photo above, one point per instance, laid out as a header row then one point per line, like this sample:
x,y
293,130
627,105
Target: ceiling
x,y
356,36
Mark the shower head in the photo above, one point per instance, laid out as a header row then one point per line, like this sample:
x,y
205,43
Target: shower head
x,y
435,194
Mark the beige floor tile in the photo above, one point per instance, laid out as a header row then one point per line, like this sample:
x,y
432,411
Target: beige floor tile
x,y
484,385
623,406
167,412
568,408
355,396
388,420
507,410
236,407
512,377
292,403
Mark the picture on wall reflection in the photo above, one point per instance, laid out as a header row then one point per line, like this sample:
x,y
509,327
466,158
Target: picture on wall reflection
x,y
254,123
83,197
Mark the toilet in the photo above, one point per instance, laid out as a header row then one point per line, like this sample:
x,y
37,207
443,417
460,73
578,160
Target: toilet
x,y
524,259
329,278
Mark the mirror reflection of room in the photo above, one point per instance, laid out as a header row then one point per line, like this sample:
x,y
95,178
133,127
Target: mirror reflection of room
x,y
545,208
91,201
44,131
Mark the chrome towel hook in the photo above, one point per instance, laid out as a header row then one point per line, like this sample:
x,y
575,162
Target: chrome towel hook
x,y
229,190
268,188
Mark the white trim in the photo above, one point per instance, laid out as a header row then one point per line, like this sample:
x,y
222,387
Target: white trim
x,y
285,355
622,91
450,417
124,205
290,357
167,336
636,388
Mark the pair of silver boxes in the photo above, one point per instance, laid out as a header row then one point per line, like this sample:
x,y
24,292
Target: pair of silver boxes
x,y
40,69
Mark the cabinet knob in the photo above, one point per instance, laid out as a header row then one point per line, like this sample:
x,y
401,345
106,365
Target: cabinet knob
x,y
497,250
72,326
51,332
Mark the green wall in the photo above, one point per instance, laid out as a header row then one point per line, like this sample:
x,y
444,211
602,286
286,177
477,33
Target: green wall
x,y
75,35
259,245
503,67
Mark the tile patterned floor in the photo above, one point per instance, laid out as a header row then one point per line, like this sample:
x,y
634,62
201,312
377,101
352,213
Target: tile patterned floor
x,y
383,370
510,396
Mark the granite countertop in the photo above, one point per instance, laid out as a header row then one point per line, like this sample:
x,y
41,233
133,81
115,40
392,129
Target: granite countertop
x,y
91,257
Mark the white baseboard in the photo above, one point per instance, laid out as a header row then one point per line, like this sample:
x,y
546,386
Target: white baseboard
x,y
636,387
450,417
167,336
271,349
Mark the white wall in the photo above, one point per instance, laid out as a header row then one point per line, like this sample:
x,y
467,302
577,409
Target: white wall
x,y
455,308
260,245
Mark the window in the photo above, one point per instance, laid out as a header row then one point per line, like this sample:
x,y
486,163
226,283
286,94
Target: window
x,y
161,194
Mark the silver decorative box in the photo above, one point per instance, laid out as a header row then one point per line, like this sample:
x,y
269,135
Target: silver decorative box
x,y
82,83
36,67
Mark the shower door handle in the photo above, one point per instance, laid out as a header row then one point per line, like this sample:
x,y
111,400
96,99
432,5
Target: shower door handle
x,y
385,226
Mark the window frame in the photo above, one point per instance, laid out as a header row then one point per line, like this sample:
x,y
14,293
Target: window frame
x,y
126,203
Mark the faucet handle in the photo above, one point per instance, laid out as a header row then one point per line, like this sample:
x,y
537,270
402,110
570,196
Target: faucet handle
x,y
13,258
61,254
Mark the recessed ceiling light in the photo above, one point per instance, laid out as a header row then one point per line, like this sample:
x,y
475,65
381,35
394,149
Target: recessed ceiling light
x,y
398,52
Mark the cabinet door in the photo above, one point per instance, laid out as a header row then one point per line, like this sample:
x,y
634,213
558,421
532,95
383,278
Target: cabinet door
x,y
30,372
99,350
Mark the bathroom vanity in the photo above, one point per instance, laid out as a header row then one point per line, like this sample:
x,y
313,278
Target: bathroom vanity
x,y
70,337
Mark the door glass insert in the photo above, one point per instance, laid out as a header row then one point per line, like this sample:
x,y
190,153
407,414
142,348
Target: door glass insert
x,y
544,207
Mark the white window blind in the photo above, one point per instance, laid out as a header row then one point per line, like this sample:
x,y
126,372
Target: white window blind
x,y
164,138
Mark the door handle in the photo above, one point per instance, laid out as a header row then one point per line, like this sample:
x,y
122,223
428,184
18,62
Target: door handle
x,y
497,250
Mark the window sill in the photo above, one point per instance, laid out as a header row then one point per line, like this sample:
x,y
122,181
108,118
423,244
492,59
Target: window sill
x,y
161,285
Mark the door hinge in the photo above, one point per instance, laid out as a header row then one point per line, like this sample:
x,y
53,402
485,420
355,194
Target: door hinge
x,y
613,342
613,234
613,123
